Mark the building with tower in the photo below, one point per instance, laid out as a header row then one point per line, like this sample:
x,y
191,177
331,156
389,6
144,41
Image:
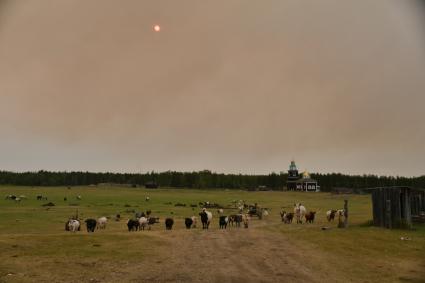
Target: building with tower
x,y
300,182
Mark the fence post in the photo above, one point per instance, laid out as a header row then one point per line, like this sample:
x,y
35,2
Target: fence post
x,y
346,213
343,224
388,214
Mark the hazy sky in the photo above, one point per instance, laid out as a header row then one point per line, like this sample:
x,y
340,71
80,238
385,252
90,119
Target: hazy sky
x,y
230,86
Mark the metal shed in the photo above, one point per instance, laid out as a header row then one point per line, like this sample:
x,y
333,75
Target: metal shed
x,y
396,207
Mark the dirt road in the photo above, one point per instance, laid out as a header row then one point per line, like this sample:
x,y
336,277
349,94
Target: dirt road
x,y
237,255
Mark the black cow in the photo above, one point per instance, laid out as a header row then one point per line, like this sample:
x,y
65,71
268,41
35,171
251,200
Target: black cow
x,y
169,223
152,220
223,222
91,224
231,219
286,217
188,222
235,218
238,220
133,225
204,220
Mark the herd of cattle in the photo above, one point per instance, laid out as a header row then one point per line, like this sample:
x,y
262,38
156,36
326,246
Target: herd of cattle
x,y
145,220
300,213
39,197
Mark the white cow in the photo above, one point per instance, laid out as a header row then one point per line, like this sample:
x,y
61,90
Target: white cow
x,y
143,222
194,220
330,215
101,222
209,214
73,225
299,211
245,220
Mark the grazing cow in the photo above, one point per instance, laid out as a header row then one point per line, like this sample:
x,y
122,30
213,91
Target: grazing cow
x,y
39,197
282,213
286,217
143,222
169,223
188,222
133,225
152,220
194,221
147,198
206,218
223,222
74,225
101,222
245,220
232,219
220,211
235,218
330,215
299,211
238,219
309,217
91,224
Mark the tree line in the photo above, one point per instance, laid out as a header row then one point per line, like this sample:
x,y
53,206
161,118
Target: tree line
x,y
201,180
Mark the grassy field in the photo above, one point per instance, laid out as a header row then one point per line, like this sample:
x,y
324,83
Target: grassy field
x,y
35,247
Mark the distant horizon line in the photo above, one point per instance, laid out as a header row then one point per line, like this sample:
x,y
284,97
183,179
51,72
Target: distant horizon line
x,y
203,170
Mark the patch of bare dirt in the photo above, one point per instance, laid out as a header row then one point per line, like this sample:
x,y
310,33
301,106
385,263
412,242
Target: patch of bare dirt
x,y
236,255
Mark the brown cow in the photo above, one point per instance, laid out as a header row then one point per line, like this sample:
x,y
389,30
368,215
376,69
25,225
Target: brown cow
x,y
309,217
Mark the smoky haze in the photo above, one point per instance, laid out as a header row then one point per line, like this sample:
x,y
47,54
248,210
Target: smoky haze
x,y
231,86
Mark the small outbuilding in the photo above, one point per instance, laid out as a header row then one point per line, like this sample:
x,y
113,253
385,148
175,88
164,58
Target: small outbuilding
x,y
397,207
